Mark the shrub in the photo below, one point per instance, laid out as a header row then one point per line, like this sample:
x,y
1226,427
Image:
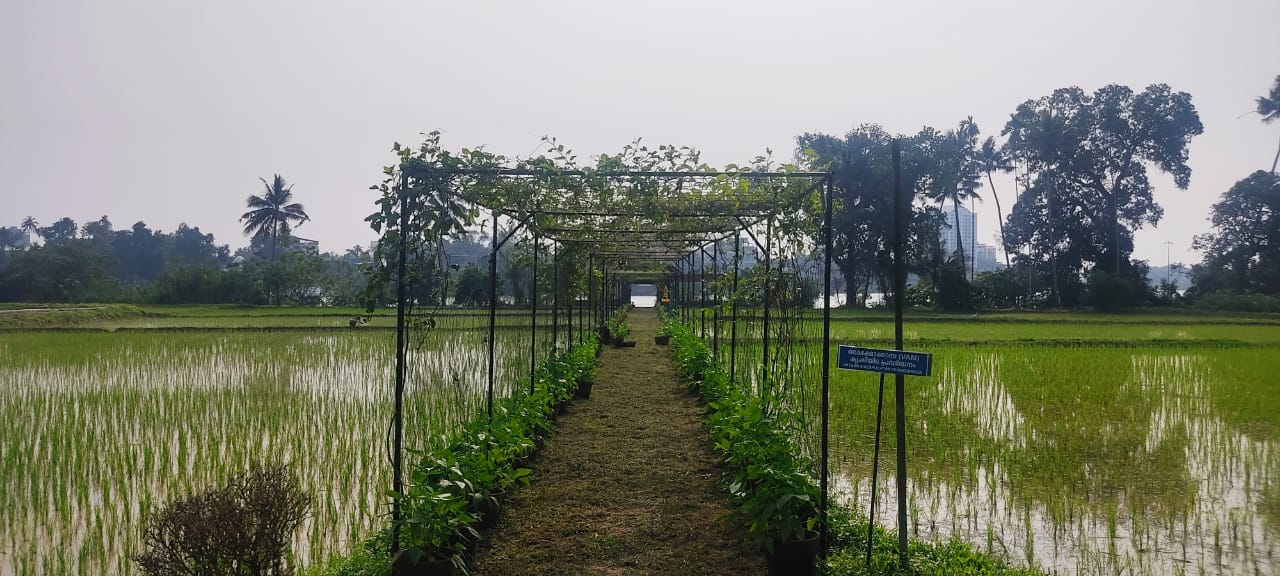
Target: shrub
x,y
242,528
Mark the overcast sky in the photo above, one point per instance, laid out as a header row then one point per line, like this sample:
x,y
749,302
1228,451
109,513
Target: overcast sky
x,y
169,111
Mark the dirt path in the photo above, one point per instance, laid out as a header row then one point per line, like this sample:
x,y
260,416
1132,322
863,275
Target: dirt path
x,y
626,486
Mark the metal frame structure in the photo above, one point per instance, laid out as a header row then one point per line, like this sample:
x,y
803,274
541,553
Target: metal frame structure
x,y
621,244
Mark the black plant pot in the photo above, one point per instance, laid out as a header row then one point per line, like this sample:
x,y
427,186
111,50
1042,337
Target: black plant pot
x,y
584,390
490,509
604,334
629,344
618,343
402,566
662,340
794,558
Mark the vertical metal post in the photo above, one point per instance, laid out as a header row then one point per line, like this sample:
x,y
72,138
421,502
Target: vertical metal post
x,y
768,292
581,319
826,359
900,402
591,291
568,314
715,315
733,310
680,287
555,297
493,313
533,318
397,483
702,290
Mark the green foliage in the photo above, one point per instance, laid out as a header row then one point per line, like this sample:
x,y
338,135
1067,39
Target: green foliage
x,y
1088,188
1107,292
955,293
244,528
999,289
472,289
849,545
862,209
480,460
46,318
776,498
1240,302
1242,253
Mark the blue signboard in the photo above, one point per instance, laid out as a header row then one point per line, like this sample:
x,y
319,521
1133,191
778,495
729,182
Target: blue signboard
x,y
885,361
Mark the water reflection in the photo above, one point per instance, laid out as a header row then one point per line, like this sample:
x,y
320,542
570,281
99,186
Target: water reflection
x,y
1194,509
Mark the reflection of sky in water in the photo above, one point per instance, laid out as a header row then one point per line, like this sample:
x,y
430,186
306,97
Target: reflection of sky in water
x,y
1219,531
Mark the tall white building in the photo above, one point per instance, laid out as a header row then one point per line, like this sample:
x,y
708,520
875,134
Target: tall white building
x,y
968,224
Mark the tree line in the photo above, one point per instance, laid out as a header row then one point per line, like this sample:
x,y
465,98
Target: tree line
x,y
1082,165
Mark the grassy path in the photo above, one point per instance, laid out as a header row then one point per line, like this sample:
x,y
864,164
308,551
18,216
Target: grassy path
x,y
626,486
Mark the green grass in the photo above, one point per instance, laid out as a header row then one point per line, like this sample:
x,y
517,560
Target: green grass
x,y
20,317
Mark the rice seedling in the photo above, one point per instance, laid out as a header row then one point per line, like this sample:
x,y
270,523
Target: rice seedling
x,y
1136,446
96,428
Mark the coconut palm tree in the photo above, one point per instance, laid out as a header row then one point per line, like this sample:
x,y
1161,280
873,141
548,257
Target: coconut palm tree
x,y
272,213
956,179
991,159
30,226
1269,110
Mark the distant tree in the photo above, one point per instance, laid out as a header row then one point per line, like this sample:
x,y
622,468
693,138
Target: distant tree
x,y
31,227
70,271
1088,155
98,230
9,237
993,159
473,288
189,246
862,210
61,231
272,214
1269,110
139,253
1242,253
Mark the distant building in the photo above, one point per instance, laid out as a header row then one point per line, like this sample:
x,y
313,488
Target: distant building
x,y
984,259
968,223
306,245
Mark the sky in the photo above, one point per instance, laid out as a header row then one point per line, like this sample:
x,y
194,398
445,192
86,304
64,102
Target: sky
x,y
169,111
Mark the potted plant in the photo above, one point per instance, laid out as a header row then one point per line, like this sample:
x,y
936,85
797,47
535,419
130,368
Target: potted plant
x,y
781,519
619,331
663,337
586,378
436,530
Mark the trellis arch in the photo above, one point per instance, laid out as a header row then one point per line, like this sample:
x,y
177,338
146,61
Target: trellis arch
x,y
659,214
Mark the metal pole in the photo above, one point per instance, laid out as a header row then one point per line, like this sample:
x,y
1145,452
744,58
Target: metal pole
x,y
591,290
715,313
533,320
900,401
397,483
768,255
702,290
826,359
733,311
493,313
555,296
568,312
581,325
875,471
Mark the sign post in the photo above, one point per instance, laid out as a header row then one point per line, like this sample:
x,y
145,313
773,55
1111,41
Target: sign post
x,y
900,363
